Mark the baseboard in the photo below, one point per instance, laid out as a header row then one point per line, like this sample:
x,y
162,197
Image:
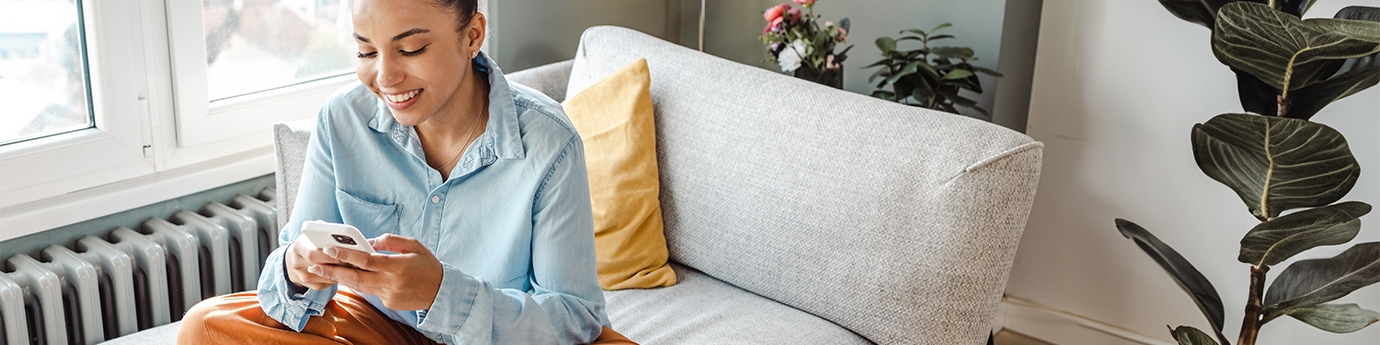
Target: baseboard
x,y
1062,328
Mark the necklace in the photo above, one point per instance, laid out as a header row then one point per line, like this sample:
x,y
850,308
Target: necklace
x,y
468,135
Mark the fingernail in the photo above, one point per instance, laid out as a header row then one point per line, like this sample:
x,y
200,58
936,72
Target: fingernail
x,y
314,269
331,251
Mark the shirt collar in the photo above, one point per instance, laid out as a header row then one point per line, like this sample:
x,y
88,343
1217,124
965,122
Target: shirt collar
x,y
501,134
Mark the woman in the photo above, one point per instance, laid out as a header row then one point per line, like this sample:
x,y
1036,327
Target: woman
x,y
477,185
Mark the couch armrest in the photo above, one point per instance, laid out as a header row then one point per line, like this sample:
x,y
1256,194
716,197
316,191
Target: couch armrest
x,y
550,79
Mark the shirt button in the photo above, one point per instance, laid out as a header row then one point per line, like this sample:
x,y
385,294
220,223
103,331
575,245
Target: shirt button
x,y
435,199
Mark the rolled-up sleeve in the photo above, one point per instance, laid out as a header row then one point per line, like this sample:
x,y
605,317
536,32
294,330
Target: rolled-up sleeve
x,y
283,301
565,304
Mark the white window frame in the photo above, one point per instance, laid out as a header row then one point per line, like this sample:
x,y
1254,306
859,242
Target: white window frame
x,y
112,151
207,129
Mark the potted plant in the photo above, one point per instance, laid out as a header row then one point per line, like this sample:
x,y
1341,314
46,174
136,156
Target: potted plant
x,y
1276,160
798,43
929,77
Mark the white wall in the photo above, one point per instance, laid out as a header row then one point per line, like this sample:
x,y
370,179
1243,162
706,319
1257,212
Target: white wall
x,y
1117,87
529,33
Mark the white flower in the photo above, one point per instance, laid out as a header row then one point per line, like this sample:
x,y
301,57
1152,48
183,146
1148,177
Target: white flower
x,y
789,59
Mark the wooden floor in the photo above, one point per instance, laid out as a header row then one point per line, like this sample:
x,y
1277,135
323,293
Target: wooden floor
x,y
1006,337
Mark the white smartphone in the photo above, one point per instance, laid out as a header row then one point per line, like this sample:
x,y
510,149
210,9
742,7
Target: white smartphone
x,y
326,234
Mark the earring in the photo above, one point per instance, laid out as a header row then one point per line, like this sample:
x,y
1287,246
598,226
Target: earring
x,y
474,54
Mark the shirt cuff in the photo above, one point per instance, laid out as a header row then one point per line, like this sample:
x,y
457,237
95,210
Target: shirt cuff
x,y
454,304
278,300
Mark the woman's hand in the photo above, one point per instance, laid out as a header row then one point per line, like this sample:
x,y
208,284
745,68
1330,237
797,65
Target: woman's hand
x,y
300,256
408,280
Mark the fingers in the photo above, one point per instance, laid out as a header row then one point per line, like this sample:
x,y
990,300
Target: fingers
x,y
362,260
298,266
397,244
357,279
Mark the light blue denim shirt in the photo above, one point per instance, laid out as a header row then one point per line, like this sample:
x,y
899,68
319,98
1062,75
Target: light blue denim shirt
x,y
512,227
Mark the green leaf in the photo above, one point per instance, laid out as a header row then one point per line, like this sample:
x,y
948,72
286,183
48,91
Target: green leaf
x,y
940,37
1283,50
953,52
846,24
1256,96
958,74
887,95
1183,272
987,71
1335,318
1307,101
916,31
1196,11
1312,282
941,26
1277,240
927,70
908,70
1294,7
886,44
1186,335
1275,164
1359,13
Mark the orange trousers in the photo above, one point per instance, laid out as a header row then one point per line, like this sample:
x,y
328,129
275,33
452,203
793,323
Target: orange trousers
x,y
348,319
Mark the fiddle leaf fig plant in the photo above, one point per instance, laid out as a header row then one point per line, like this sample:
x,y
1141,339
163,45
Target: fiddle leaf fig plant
x,y
1277,160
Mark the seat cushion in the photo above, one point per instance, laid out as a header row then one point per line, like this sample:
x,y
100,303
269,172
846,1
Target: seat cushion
x,y
165,334
703,310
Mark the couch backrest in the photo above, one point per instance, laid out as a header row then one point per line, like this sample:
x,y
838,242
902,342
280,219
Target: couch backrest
x,y
897,222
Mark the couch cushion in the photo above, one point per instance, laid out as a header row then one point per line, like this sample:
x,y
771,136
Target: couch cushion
x,y
165,334
614,118
896,222
704,310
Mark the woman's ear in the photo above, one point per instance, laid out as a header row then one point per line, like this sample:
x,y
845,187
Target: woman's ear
x,y
476,31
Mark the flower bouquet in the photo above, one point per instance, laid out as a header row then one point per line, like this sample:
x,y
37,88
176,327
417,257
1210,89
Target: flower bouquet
x,y
801,46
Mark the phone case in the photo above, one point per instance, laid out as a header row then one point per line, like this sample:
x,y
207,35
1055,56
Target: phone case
x,y
324,234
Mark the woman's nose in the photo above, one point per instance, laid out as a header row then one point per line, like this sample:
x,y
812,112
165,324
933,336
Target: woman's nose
x,y
389,72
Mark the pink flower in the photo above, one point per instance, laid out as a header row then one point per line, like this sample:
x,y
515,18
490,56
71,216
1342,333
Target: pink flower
x,y
843,35
775,12
795,15
805,2
777,23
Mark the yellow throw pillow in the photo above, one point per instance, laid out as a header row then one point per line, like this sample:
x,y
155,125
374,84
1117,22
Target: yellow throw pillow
x,y
614,118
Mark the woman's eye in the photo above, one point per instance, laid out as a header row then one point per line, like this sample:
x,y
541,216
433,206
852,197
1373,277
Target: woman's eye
x,y
366,55
414,52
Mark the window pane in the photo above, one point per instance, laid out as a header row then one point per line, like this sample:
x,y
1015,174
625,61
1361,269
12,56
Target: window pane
x,y
257,45
42,74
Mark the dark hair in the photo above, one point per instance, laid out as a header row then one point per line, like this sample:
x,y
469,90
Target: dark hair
x,y
465,9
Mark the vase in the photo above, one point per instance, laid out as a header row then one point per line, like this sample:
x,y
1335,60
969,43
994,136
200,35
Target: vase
x,y
832,77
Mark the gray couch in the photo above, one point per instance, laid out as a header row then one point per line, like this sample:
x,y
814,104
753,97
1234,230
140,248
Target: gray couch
x,y
800,214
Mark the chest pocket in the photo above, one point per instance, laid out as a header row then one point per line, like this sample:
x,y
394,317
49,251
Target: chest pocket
x,y
372,218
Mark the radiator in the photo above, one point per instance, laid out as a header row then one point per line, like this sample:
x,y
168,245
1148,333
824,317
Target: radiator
x,y
135,279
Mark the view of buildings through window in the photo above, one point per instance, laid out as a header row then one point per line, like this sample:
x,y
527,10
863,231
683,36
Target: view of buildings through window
x,y
42,77
256,45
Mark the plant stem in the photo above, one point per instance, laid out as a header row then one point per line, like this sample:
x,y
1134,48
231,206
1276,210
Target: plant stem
x,y
1283,106
1250,326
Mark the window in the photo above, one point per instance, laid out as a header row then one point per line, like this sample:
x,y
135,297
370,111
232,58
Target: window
x,y
42,70
65,129
253,46
254,63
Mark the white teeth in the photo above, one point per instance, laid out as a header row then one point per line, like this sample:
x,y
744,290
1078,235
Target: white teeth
x,y
402,97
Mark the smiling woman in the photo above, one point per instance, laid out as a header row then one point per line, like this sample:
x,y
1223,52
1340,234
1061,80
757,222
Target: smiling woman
x,y
473,189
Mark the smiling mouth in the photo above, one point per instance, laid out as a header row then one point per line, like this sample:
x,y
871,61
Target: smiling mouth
x,y
403,97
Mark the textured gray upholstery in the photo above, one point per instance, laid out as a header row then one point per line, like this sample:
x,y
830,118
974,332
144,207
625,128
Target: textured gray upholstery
x,y
702,310
165,334
550,79
290,148
896,222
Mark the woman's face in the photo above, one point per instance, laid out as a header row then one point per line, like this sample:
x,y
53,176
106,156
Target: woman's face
x,y
412,56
